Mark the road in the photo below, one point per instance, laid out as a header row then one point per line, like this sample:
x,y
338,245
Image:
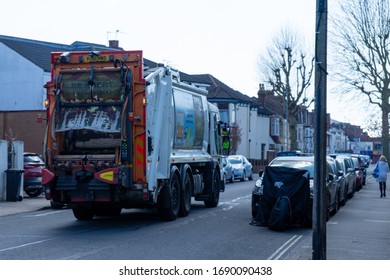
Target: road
x,y
221,233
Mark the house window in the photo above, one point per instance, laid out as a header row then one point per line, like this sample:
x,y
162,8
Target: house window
x,y
224,115
275,127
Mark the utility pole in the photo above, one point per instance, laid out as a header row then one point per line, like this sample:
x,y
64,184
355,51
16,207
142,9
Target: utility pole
x,y
320,127
287,124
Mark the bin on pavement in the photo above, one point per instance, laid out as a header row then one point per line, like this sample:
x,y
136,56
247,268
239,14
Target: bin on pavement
x,y
14,178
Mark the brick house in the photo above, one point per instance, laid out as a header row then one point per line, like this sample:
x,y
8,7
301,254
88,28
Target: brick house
x,y
24,69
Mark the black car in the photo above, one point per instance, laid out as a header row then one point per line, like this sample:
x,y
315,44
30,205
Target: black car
x,y
302,163
285,198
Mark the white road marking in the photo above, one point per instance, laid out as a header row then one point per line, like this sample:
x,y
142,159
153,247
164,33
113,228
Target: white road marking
x,y
283,249
46,214
24,245
377,221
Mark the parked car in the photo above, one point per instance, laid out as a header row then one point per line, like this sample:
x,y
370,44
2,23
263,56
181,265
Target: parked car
x,y
306,163
349,173
338,172
289,153
227,170
359,172
33,165
366,160
242,168
364,163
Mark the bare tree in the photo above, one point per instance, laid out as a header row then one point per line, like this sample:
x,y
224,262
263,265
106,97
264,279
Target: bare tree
x,y
361,36
235,138
286,68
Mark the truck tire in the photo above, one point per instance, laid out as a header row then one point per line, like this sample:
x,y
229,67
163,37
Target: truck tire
x,y
169,200
186,195
108,211
215,186
83,213
56,205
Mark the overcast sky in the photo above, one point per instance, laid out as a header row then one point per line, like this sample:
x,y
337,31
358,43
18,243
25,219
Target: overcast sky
x,y
223,38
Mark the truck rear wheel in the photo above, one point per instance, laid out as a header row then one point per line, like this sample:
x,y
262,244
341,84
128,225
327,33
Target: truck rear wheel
x,y
215,185
185,196
83,213
169,203
108,211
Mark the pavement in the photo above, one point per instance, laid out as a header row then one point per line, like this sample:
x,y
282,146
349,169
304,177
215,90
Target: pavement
x,y
28,204
359,231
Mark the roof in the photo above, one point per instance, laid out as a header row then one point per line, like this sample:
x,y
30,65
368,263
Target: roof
x,y
38,52
221,93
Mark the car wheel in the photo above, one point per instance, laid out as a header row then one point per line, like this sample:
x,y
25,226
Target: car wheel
x,y
254,208
34,192
243,176
336,204
224,178
250,178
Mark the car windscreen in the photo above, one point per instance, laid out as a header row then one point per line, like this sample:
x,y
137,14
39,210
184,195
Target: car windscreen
x,y
235,161
32,158
298,164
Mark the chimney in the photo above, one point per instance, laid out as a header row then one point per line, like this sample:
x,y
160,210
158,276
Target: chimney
x,y
113,44
261,94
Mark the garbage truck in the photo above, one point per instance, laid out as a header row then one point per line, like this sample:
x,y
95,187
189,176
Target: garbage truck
x,y
121,135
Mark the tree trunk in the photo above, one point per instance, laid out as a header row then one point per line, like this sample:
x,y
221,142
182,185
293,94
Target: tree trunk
x,y
293,132
385,131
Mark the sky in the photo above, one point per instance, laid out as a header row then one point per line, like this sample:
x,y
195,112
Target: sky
x,y
224,38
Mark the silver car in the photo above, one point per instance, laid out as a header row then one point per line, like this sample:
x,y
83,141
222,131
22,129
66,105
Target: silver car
x,y
227,169
242,168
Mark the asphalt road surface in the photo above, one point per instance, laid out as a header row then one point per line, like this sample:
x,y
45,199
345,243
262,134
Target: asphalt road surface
x,y
221,233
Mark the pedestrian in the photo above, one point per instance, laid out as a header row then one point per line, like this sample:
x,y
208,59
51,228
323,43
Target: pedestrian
x,y
382,175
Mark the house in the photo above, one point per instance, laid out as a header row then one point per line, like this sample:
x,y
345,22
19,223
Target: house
x,y
279,125
250,120
257,124
24,69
